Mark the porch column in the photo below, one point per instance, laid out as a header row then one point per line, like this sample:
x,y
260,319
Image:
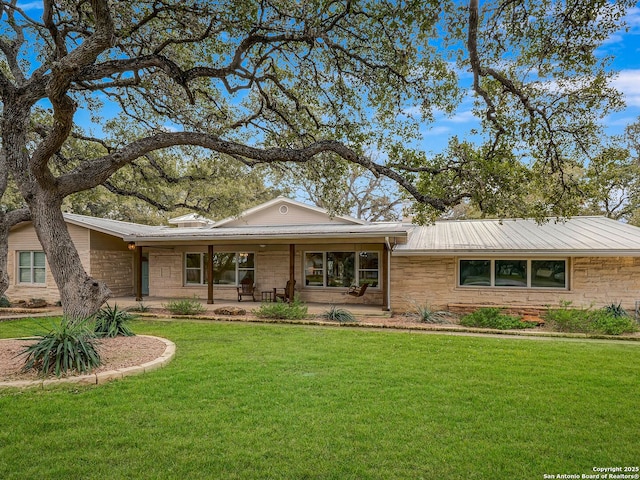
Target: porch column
x,y
210,275
385,279
292,269
138,273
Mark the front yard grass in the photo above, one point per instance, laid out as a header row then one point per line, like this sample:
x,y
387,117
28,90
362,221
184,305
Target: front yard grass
x,y
247,401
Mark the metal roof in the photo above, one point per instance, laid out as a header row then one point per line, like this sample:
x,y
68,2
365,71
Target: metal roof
x,y
574,236
270,232
111,227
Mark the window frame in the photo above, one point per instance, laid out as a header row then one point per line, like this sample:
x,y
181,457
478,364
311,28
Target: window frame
x,y
529,286
325,271
31,268
203,268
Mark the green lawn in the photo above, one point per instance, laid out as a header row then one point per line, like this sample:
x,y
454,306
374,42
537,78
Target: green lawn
x,y
251,401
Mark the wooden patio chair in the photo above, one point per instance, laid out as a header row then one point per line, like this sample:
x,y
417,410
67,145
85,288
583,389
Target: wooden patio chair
x,y
247,287
355,291
284,294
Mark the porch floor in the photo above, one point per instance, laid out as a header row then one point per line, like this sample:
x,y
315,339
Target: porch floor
x,y
359,310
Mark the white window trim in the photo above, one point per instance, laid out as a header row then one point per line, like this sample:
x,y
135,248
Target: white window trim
x,y
492,267
31,269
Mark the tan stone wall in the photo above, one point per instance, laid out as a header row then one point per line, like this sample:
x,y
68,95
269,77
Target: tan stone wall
x,y
115,268
24,238
596,281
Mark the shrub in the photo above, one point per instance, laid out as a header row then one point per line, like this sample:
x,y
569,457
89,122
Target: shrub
x,y
69,345
295,310
4,302
609,320
111,322
423,313
493,318
336,314
568,320
616,310
140,307
185,306
613,324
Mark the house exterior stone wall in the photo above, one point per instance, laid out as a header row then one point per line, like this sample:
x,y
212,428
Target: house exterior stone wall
x,y
596,281
115,268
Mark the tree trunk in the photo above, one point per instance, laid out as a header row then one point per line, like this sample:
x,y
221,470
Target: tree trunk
x,y
81,295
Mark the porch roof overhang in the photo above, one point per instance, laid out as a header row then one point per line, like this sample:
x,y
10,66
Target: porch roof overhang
x,y
284,233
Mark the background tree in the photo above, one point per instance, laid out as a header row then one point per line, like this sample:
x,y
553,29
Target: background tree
x,y
356,191
280,81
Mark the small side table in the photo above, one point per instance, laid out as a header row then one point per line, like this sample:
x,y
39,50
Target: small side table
x,y
267,295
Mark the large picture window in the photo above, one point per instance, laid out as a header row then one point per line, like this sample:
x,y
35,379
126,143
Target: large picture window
x,y
228,268
31,267
510,273
341,269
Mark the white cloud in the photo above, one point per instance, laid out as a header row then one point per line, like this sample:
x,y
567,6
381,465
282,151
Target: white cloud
x,y
436,131
628,82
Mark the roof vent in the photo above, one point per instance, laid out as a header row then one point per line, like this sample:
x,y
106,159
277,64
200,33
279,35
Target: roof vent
x,y
283,209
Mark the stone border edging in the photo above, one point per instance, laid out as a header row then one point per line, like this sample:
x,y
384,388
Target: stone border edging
x,y
102,377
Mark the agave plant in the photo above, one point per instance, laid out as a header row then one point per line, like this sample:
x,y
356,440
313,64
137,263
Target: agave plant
x,y
111,322
338,315
68,346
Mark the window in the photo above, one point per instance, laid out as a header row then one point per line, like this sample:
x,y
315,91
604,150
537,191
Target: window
x,y
31,267
341,269
228,268
517,273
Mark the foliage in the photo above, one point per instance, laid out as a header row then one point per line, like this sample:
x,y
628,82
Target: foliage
x,y
295,310
609,320
4,302
425,314
493,318
336,314
68,346
185,306
616,310
111,322
140,307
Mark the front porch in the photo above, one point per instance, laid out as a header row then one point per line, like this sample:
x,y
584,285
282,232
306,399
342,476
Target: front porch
x,y
314,308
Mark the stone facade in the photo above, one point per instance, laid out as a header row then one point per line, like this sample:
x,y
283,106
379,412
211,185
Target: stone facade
x,y
593,281
115,268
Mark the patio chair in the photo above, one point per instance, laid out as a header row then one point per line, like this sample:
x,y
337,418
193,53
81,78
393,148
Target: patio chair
x,y
247,287
284,295
355,291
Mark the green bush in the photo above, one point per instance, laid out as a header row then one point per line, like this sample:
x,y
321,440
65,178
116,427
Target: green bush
x,y
608,321
68,346
424,314
493,318
573,320
336,314
4,302
295,310
111,322
185,306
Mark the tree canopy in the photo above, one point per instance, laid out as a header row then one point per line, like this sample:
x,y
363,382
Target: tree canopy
x,y
294,82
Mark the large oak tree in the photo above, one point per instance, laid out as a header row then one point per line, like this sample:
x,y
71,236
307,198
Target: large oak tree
x,y
290,81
